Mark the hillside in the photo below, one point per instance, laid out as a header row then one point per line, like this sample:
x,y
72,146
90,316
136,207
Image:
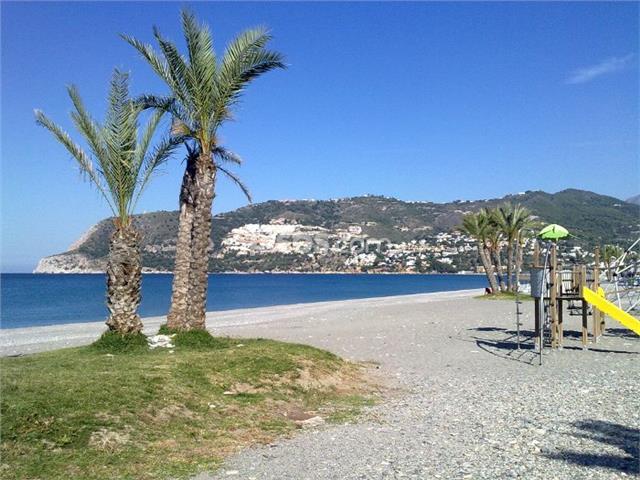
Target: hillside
x,y
635,199
330,235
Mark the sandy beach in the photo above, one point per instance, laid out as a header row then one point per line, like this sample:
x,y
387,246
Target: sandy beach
x,y
19,341
463,402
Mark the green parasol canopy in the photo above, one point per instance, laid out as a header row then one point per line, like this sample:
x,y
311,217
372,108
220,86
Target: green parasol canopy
x,y
553,232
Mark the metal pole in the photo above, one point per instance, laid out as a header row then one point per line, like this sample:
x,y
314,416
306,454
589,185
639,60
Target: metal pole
x,y
553,292
597,315
518,318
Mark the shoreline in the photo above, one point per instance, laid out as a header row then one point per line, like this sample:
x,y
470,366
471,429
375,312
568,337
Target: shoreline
x,y
26,340
293,272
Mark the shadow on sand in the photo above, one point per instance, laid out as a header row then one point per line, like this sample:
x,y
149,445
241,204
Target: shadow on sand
x,y
506,346
627,439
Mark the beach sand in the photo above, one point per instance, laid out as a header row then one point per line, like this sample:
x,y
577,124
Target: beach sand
x,y
462,401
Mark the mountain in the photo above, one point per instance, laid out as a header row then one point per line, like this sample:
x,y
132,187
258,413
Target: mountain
x,y
342,234
635,199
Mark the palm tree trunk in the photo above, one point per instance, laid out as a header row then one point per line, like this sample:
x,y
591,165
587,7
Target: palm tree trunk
x,y
518,263
488,268
204,186
498,264
179,312
124,277
510,267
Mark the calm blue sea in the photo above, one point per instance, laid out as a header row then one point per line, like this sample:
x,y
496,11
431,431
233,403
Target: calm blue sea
x,y
33,300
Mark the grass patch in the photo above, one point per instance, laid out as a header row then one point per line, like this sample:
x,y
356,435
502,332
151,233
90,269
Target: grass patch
x,y
524,297
115,410
112,342
195,339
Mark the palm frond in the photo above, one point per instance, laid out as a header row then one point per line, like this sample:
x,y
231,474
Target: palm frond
x,y
121,165
225,155
147,135
119,132
244,59
86,125
85,163
235,179
157,102
177,67
166,104
153,59
203,88
158,157
202,61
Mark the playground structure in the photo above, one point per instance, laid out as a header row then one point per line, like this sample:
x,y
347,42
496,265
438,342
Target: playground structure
x,y
580,290
623,288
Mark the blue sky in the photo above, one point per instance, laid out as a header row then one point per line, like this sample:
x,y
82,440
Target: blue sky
x,y
420,101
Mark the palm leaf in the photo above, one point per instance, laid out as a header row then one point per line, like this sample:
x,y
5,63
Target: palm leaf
x,y
158,157
85,163
121,167
235,179
202,62
226,155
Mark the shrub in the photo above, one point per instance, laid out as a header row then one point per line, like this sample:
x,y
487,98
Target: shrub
x,y
113,342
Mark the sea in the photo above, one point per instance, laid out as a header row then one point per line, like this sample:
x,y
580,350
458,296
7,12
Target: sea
x,y
30,300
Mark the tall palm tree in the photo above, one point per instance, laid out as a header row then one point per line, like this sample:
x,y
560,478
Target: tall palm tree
x,y
510,220
494,240
119,163
476,225
203,91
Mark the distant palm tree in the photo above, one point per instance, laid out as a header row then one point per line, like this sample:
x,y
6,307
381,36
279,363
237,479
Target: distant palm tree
x,y
476,225
494,240
524,235
203,91
610,255
510,220
120,164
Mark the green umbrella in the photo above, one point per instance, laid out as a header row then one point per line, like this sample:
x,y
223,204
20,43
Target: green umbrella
x,y
553,232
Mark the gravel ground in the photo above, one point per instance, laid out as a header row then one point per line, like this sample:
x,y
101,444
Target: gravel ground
x,y
467,404
462,403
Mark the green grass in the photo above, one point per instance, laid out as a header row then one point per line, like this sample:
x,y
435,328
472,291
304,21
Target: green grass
x,y
525,297
115,410
112,342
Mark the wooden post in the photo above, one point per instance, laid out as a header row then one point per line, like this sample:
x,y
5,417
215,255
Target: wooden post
x,y
560,319
560,310
536,301
598,316
553,294
536,306
582,276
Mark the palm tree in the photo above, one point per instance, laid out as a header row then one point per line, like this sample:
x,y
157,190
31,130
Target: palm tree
x,y
476,226
524,235
120,164
510,220
203,92
610,256
494,240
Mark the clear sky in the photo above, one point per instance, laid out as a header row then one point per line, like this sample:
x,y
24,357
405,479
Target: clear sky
x,y
420,101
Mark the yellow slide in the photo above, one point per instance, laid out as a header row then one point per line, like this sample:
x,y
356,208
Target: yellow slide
x,y
612,310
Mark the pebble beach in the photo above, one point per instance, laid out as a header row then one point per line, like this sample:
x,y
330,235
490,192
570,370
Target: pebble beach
x,y
460,400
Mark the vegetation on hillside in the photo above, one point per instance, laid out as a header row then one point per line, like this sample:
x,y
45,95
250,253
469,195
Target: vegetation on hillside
x,y
394,219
